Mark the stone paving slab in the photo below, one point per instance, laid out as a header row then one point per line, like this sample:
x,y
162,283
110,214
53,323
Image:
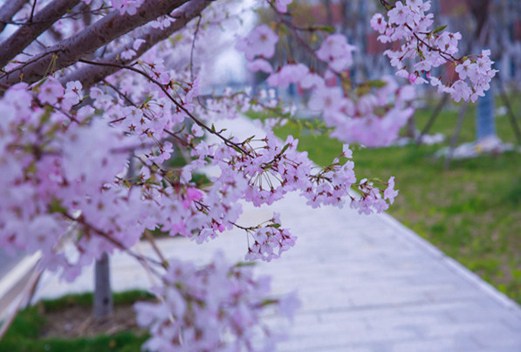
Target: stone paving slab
x,y
366,283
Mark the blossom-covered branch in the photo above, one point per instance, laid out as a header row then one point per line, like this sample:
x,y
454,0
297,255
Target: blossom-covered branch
x,y
91,38
26,34
147,38
8,10
425,48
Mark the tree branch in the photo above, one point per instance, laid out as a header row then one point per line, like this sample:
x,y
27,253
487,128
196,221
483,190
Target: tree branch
x,y
38,24
91,38
32,11
8,10
227,142
90,75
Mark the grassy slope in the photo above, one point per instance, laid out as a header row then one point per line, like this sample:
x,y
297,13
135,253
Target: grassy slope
x,y
472,211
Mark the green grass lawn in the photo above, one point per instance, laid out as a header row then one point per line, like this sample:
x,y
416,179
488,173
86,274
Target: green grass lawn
x,y
25,333
471,211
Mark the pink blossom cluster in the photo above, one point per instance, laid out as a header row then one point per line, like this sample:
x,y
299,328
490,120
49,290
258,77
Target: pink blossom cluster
x,y
336,52
372,116
259,45
127,6
232,104
123,6
269,241
282,5
370,199
424,48
270,169
52,174
214,308
54,167
53,163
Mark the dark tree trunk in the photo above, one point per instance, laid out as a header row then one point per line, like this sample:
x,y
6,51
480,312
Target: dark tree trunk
x,y
480,10
103,305
411,128
329,12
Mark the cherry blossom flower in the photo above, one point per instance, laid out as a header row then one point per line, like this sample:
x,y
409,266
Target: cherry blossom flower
x,y
50,91
127,6
390,193
260,42
287,74
282,5
378,23
260,65
73,95
336,52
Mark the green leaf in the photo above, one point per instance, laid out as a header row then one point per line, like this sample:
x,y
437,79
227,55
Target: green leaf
x,y
327,29
245,264
376,83
439,29
56,207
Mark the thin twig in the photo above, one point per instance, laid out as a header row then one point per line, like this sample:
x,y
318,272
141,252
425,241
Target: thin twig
x,y
156,249
198,24
227,141
439,107
511,115
32,12
455,136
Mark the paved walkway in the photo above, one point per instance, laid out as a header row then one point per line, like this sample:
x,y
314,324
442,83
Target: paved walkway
x,y
367,283
7,262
